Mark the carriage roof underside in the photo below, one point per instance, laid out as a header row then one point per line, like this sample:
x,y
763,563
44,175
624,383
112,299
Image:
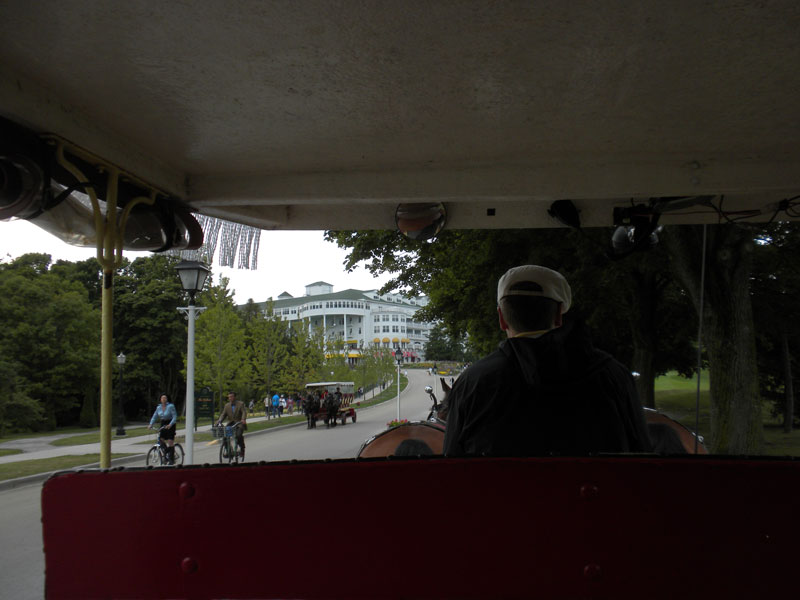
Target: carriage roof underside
x,y
326,116
331,383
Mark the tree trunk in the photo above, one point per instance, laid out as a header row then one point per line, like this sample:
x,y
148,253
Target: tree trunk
x,y
736,425
788,389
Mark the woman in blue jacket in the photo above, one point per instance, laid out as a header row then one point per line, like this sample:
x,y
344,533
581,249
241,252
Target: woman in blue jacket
x,y
166,413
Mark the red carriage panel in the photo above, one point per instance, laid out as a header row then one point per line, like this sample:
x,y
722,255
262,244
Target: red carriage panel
x,y
427,528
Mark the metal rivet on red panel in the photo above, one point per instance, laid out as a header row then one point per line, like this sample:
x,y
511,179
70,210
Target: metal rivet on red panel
x,y
589,490
186,490
592,571
189,565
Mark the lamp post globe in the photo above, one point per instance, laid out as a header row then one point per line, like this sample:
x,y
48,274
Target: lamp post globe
x,y
121,425
193,276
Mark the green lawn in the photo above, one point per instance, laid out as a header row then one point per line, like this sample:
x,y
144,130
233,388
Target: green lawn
x,y
24,468
10,451
93,436
675,396
673,381
21,436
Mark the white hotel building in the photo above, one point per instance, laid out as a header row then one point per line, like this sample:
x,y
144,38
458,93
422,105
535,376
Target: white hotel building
x,y
362,319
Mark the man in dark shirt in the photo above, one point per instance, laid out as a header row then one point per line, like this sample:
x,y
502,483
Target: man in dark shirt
x,y
546,390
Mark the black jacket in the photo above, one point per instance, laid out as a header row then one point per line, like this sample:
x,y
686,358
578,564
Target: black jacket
x,y
555,394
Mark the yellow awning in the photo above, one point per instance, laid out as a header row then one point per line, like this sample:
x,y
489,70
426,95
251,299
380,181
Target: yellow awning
x,y
377,341
395,340
385,339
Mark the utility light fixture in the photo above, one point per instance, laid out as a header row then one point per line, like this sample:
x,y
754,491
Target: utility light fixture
x,y
193,276
420,221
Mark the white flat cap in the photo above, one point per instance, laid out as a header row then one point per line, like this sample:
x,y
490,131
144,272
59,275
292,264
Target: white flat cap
x,y
552,284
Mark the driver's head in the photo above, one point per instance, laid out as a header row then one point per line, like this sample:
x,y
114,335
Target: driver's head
x,y
532,298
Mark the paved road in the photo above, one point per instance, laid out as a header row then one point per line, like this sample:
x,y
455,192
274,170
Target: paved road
x,y
21,557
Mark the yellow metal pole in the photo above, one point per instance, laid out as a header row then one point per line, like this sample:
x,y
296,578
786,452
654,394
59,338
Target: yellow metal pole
x,y
110,229
105,256
106,352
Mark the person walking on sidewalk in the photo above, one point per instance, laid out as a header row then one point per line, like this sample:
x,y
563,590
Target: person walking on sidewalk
x,y
166,413
276,402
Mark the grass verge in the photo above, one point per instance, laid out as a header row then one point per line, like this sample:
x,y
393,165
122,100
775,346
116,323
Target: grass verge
x,y
25,468
37,434
674,381
675,396
93,437
10,451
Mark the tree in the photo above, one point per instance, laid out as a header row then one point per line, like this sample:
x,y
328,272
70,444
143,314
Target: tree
x,y
442,346
269,335
776,285
644,317
85,272
306,356
52,332
219,342
89,418
150,331
637,320
17,409
736,425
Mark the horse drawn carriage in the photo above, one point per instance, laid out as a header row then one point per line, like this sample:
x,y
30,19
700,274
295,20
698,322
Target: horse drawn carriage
x,y
346,408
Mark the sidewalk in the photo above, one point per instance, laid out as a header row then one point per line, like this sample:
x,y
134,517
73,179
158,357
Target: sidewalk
x,y
40,447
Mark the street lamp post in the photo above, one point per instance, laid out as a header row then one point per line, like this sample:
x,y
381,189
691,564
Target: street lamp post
x,y
398,356
193,277
121,426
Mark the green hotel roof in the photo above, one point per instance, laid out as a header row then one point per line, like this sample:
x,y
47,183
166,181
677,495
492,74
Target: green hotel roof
x,y
351,294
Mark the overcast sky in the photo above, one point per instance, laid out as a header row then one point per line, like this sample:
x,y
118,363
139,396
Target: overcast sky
x,y
287,261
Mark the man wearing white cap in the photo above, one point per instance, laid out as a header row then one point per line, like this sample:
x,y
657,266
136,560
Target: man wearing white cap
x,y
546,390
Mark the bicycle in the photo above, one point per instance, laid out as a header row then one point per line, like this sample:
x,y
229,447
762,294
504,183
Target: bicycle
x,y
157,455
229,445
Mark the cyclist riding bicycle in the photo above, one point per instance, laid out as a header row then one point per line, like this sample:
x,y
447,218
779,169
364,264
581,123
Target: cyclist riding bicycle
x,y
168,416
235,414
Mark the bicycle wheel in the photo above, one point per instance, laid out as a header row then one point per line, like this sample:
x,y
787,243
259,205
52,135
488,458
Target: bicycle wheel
x,y
225,451
178,456
153,457
234,451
